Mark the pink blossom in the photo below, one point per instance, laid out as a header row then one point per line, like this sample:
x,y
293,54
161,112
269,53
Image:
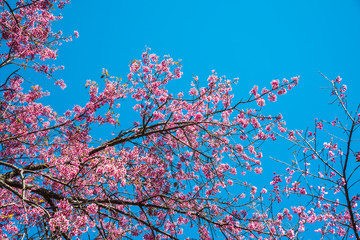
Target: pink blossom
x,y
253,190
282,91
258,170
260,102
60,83
92,209
272,97
338,79
275,84
254,90
193,92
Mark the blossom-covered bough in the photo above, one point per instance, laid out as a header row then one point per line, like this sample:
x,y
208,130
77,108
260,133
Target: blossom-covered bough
x,y
26,34
325,171
179,171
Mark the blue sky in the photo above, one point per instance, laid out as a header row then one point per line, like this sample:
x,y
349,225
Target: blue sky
x,y
256,40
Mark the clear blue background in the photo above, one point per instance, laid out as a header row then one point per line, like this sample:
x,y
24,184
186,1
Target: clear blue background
x,y
257,41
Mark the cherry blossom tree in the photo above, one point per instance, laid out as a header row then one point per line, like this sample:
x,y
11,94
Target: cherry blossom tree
x,y
26,34
324,172
182,168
